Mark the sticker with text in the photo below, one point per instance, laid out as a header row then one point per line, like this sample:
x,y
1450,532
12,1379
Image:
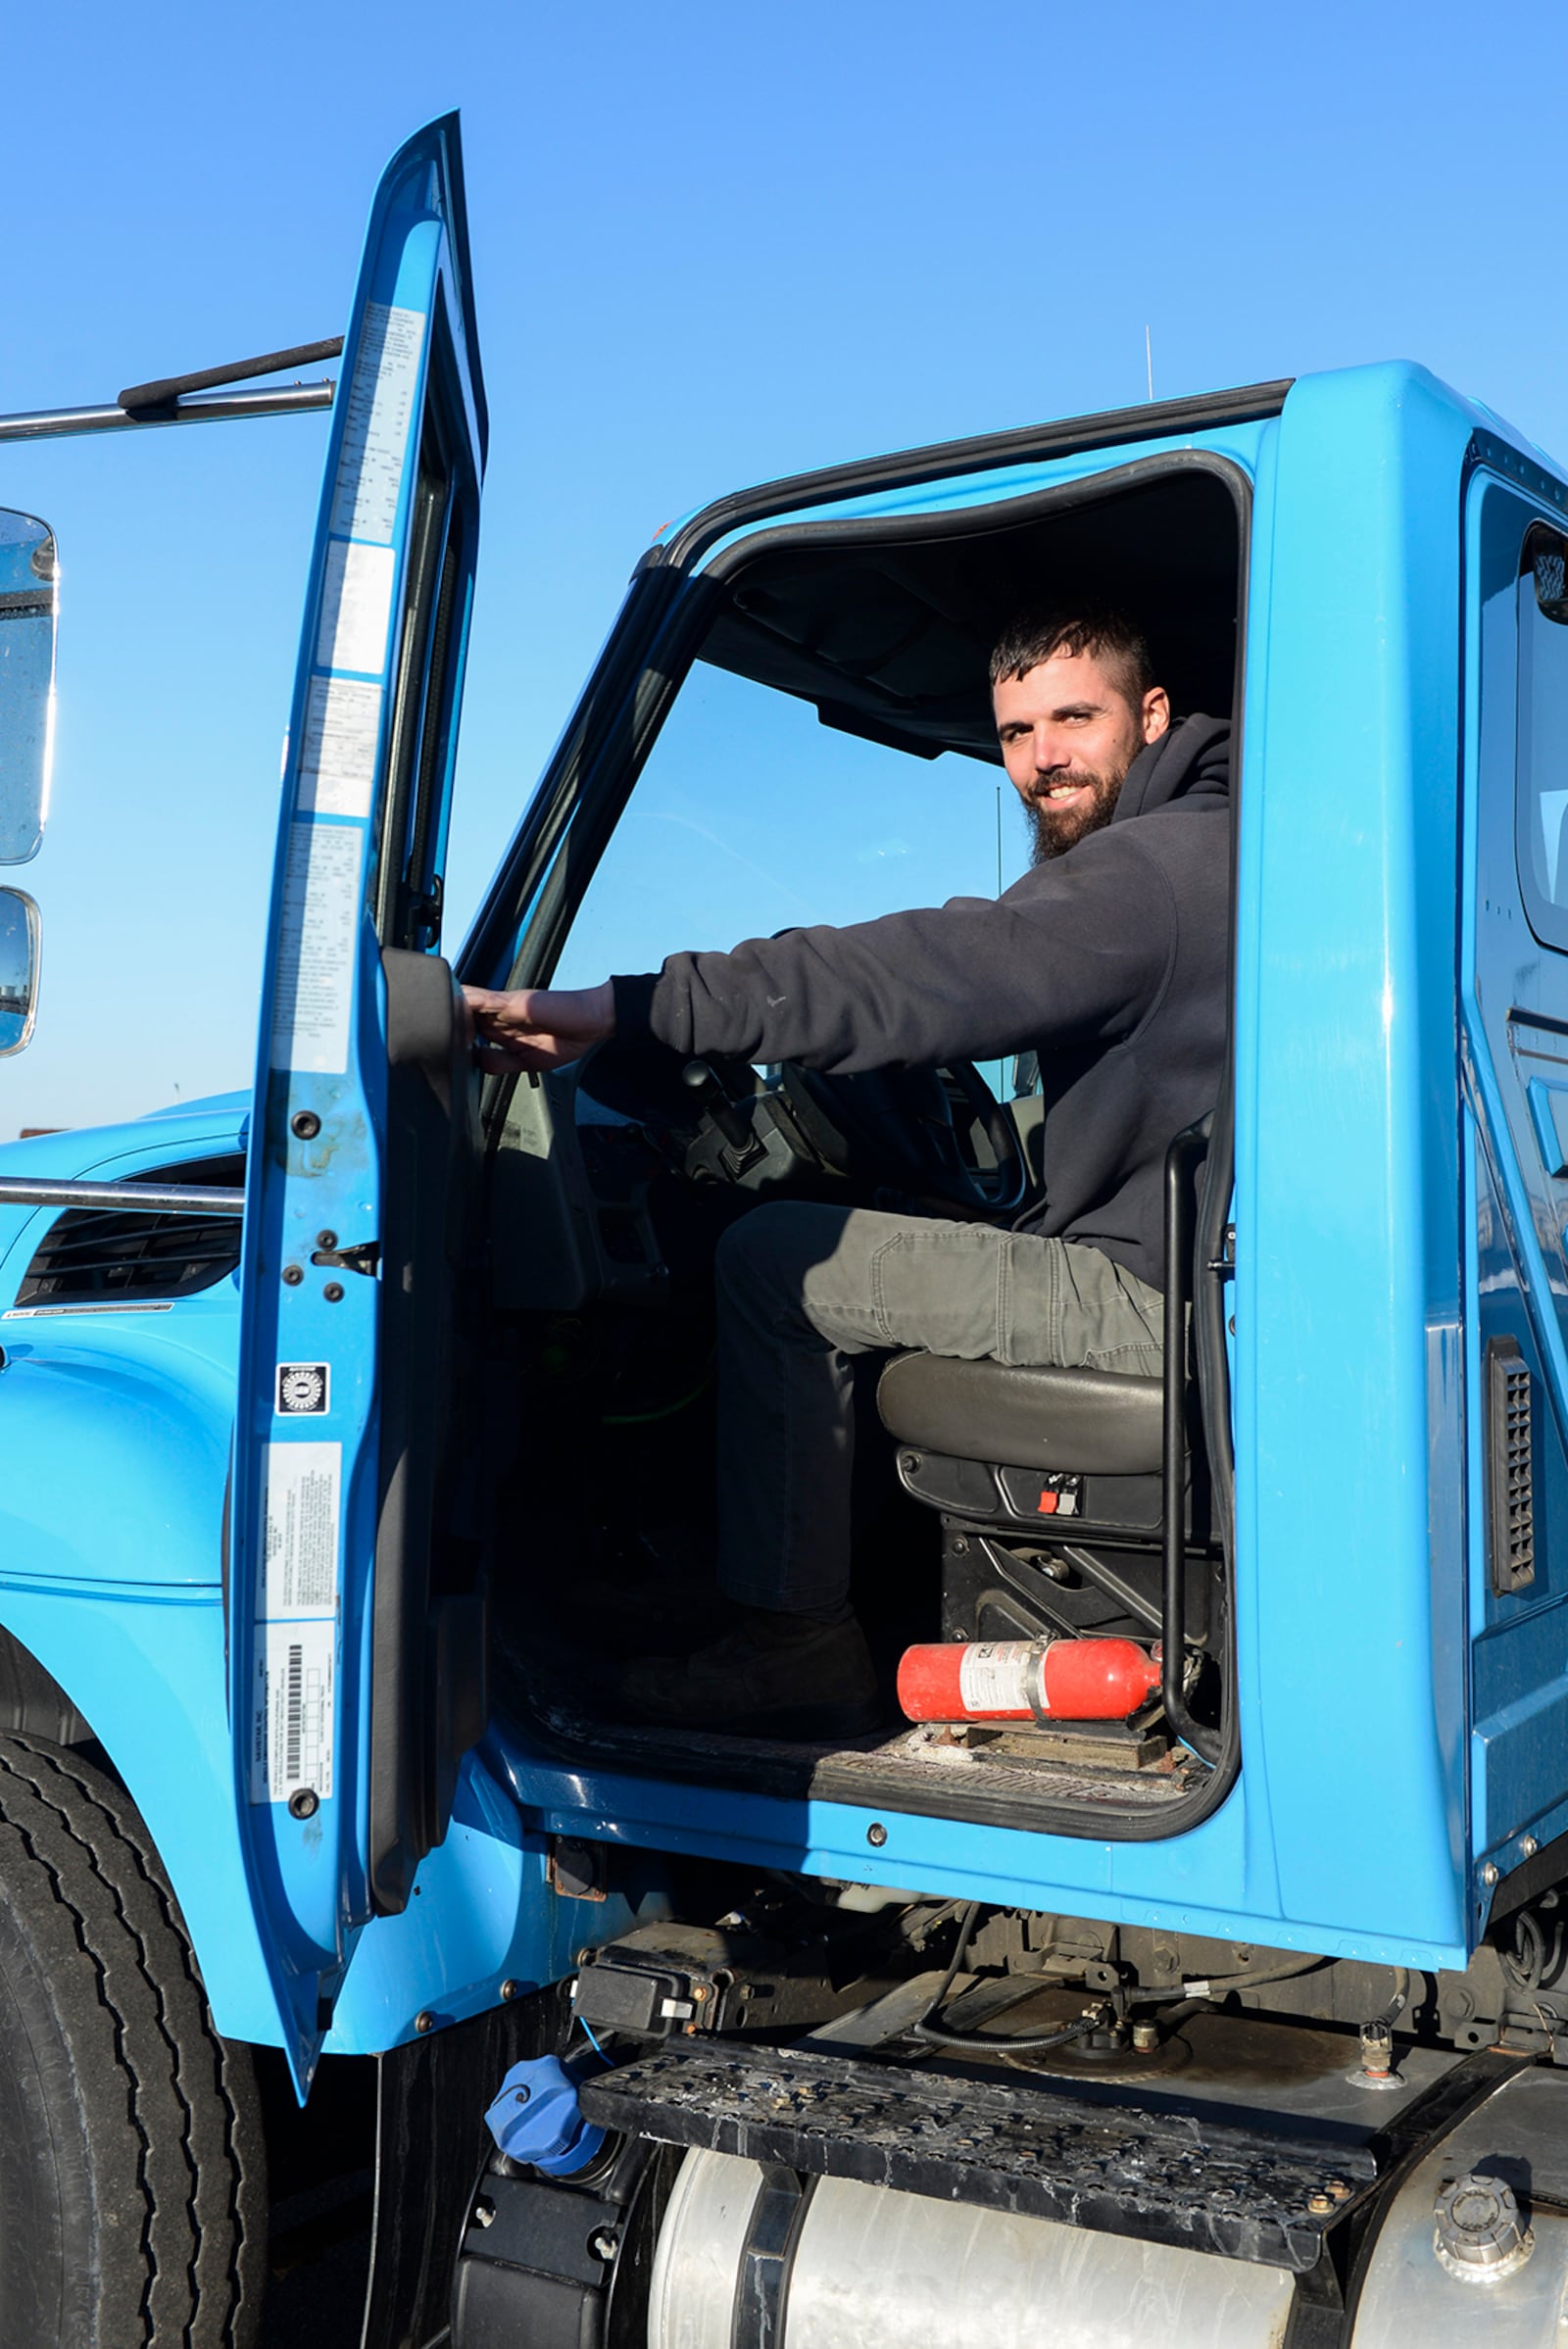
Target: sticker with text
x,y
316,947
375,427
338,755
356,606
299,1549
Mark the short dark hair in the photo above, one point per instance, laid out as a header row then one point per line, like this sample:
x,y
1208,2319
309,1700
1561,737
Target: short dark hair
x,y
1043,631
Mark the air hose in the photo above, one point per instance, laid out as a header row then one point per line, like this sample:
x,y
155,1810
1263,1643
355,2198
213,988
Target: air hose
x,y
1197,1996
929,2029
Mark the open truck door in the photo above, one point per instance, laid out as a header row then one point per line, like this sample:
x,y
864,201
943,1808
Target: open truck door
x,y
356,1639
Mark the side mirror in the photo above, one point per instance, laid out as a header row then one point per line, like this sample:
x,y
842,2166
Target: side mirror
x,y
19,968
28,572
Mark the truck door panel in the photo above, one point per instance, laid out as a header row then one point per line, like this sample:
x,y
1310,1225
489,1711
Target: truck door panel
x,y
346,1740
1516,1045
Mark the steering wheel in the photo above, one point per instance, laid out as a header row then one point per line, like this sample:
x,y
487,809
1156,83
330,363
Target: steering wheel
x,y
895,1126
887,1128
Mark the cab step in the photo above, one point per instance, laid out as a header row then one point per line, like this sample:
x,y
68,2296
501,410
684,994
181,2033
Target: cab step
x,y
1086,2160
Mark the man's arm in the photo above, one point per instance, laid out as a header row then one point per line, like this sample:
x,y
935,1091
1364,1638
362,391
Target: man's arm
x,y
1074,956
1066,957
539,1027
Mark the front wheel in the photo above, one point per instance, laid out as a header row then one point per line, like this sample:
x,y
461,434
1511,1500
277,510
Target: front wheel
x,y
132,2177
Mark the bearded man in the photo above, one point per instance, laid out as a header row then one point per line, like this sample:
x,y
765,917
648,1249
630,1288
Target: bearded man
x,y
1108,961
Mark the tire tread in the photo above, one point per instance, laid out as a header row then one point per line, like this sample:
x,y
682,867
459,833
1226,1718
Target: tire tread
x,y
189,2271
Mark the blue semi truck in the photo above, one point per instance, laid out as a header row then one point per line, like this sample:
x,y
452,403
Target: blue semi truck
x,y
353,1427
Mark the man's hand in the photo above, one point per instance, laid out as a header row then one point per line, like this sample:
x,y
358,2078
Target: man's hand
x,y
539,1027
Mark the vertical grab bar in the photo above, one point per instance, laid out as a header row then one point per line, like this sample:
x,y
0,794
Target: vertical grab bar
x,y
1182,1161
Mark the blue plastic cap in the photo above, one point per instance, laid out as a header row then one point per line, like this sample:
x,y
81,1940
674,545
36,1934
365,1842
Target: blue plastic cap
x,y
536,2118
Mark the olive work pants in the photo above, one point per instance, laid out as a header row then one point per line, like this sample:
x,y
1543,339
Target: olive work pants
x,y
803,1289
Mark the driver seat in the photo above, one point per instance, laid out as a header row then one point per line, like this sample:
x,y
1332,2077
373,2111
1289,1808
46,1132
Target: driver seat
x,y
1051,1481
1048,1483
1074,1422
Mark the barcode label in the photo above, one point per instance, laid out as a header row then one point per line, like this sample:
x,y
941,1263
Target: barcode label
x,y
294,1711
291,1741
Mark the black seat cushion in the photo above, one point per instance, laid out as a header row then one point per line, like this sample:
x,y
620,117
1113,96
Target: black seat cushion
x,y
1074,1422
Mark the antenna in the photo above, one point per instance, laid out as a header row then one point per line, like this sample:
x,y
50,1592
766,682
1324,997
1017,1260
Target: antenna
x,y
1148,361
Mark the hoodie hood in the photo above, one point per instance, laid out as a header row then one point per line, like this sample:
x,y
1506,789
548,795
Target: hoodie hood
x,y
1190,760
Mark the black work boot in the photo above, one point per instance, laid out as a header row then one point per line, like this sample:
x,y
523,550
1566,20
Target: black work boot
x,y
801,1676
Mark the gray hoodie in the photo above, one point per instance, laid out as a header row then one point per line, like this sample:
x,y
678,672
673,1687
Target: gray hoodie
x,y
1108,961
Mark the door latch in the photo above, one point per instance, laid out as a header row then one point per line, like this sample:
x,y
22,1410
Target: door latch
x,y
363,1256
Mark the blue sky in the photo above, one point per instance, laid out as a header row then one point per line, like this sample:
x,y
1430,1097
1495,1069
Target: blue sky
x,y
712,243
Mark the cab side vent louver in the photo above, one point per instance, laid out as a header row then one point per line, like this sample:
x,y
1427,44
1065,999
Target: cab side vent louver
x,y
1511,1472
98,1256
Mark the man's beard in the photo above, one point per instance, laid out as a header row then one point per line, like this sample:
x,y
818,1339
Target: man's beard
x,y
1056,830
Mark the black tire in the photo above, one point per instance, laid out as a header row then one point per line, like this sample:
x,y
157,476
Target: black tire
x,y
132,2172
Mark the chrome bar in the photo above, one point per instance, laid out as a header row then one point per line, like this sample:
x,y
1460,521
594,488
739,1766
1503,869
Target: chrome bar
x,y
196,408
145,1199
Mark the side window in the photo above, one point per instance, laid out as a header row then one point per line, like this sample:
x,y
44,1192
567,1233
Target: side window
x,y
1542,794
751,818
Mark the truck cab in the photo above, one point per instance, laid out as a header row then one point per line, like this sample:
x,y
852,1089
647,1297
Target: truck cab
x,y
1240,2012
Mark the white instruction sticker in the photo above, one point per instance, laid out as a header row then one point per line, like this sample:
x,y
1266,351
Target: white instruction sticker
x,y
316,947
299,1546
291,1721
337,750
356,606
994,1676
375,428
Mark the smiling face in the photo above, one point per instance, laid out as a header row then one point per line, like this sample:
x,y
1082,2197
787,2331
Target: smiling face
x,y
1068,734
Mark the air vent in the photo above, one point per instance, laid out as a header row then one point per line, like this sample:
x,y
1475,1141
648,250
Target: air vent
x,y
1510,1473
99,1256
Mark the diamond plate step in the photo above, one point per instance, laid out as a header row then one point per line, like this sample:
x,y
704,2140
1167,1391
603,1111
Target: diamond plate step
x,y
1169,2175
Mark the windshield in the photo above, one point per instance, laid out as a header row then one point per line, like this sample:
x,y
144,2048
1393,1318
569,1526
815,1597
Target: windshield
x,y
751,816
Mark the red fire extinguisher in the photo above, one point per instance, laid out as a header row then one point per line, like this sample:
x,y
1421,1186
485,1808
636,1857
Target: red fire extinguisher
x,y
1027,1679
